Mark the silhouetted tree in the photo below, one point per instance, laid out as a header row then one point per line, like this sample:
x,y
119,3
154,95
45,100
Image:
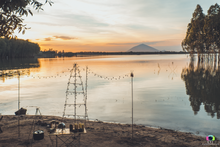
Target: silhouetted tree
x,y
203,32
17,48
194,40
212,28
11,12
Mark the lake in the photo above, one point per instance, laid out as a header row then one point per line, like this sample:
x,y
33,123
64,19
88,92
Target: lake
x,y
169,91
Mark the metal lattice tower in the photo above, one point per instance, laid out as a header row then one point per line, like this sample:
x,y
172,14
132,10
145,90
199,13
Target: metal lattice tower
x,y
75,96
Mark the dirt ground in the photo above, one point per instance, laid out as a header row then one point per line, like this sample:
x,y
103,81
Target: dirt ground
x,y
98,134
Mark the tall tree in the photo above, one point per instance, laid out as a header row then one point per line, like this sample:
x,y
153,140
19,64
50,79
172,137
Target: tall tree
x,y
212,28
11,12
194,40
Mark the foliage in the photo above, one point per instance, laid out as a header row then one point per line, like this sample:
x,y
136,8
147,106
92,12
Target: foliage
x,y
11,12
203,32
194,35
211,27
15,48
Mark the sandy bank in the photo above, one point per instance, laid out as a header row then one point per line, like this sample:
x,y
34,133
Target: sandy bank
x,y
98,134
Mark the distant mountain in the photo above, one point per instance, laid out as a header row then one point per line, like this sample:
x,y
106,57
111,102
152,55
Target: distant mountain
x,y
143,48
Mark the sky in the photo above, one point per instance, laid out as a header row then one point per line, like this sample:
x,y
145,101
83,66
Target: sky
x,y
111,25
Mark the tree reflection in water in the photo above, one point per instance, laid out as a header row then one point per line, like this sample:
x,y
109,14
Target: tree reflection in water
x,y
10,68
202,84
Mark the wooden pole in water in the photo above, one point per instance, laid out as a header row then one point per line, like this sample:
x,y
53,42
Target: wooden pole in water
x,y
75,66
86,95
18,103
132,75
18,90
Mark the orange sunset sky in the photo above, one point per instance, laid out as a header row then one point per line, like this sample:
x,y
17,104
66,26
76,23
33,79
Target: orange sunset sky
x,y
111,25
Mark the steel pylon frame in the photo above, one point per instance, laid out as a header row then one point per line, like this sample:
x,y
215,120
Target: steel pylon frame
x,y
75,75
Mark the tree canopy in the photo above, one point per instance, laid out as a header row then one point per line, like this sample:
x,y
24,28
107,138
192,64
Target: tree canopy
x,y
203,32
17,48
11,12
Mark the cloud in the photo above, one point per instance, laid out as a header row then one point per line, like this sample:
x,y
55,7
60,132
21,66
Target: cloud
x,y
48,39
51,44
59,37
113,24
65,37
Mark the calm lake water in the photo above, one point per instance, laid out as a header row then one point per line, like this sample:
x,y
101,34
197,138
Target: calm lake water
x,y
170,91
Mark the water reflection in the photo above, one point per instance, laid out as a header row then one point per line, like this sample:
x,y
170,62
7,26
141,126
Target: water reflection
x,y
11,68
203,83
159,93
19,63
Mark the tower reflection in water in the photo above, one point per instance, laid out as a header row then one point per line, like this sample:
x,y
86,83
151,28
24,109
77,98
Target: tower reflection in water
x,y
202,82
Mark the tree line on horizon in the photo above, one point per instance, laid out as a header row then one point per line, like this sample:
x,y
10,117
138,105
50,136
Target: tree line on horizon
x,y
17,48
203,32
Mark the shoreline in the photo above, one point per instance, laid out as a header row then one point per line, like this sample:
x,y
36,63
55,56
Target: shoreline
x,y
150,126
98,133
